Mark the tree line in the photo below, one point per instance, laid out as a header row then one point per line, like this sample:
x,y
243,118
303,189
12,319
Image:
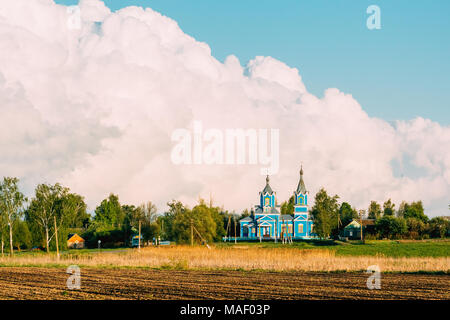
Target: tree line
x,y
408,222
55,210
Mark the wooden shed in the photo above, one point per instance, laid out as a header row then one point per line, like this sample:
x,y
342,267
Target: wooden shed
x,y
353,229
74,241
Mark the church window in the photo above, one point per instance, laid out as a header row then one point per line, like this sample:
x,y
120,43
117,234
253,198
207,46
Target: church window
x,y
300,228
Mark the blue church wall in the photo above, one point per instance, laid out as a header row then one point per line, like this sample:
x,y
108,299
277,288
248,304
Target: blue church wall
x,y
300,228
276,229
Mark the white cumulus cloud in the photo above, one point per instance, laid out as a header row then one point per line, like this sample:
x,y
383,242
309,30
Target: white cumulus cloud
x,y
95,107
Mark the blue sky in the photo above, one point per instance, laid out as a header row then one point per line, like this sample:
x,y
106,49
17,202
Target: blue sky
x,y
398,72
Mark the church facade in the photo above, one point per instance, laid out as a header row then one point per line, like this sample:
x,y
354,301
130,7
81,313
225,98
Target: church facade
x,y
267,223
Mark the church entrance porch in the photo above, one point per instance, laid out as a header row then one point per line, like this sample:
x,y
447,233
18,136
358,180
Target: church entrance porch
x,y
245,232
265,232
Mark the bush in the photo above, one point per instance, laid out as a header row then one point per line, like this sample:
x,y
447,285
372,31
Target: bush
x,y
438,227
391,227
416,228
369,236
109,237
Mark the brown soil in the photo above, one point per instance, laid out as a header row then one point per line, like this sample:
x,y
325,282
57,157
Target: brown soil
x,y
50,283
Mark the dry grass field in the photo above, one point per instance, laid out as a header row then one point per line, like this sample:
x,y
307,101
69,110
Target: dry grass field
x,y
233,258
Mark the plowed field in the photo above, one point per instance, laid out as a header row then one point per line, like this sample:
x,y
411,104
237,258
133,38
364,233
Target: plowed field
x,y
50,283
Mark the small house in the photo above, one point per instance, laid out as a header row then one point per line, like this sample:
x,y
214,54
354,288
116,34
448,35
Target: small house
x,y
135,241
353,229
74,241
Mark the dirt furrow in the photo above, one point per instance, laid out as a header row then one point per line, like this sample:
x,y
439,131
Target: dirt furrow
x,y
50,283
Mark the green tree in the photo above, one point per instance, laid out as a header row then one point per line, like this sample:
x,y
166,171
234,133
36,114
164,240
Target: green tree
x,y
169,226
402,209
22,235
390,227
218,216
3,230
231,221
415,210
109,212
11,202
347,214
74,210
324,213
45,207
166,221
438,227
288,207
128,212
178,221
204,222
374,210
416,228
245,213
388,208
145,214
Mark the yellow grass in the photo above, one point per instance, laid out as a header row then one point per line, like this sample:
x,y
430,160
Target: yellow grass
x,y
279,259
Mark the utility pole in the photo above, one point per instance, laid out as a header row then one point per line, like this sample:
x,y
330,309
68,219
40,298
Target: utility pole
x,y
361,225
339,222
203,240
210,200
235,241
139,235
192,233
56,238
228,227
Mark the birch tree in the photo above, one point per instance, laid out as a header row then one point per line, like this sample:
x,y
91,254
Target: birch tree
x,y
148,212
324,213
144,216
3,229
44,208
11,204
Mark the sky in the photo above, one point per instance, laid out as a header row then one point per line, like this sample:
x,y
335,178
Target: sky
x,y
95,104
397,72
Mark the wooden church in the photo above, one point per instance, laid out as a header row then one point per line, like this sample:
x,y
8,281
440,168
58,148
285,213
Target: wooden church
x,y
267,223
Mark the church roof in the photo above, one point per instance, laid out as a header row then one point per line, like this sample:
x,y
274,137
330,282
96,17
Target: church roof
x,y
246,219
301,188
267,188
286,217
259,209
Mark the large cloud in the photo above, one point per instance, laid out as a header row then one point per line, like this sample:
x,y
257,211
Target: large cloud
x,y
95,108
